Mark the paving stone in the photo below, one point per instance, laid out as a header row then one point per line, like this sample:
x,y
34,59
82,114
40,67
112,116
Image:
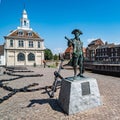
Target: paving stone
x,y
38,106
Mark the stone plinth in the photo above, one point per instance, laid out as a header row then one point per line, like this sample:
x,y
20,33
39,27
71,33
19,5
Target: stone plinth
x,y
78,95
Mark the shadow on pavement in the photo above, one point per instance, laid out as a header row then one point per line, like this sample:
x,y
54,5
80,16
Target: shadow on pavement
x,y
52,102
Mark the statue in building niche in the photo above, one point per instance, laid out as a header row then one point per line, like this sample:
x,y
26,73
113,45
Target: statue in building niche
x,y
77,55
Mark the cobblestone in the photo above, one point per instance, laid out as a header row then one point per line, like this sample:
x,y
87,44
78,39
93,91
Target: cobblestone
x,y
38,106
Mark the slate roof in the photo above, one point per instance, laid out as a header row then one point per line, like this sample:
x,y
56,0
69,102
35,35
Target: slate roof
x,y
15,33
96,42
107,46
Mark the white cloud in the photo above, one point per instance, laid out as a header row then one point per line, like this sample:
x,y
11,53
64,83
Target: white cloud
x,y
58,50
117,43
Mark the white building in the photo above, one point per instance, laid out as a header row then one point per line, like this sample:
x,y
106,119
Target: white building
x,y
2,55
23,46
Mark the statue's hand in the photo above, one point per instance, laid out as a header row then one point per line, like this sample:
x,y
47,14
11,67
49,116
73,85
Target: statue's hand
x,y
65,37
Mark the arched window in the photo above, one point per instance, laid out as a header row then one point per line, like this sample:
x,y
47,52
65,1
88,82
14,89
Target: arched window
x,y
25,23
21,57
31,57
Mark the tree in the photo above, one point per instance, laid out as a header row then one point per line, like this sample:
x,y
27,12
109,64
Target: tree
x,y
56,57
48,54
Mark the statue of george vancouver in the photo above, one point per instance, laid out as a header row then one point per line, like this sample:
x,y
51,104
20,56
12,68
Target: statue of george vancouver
x,y
77,55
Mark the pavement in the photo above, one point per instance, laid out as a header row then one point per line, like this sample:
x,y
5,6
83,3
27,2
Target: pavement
x,y
37,105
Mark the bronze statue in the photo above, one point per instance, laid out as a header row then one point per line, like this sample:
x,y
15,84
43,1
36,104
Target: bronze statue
x,y
77,55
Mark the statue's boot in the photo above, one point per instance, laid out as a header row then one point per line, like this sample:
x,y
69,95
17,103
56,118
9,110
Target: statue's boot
x,y
80,75
75,77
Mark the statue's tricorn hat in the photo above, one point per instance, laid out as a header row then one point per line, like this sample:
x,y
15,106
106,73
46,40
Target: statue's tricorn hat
x,y
77,30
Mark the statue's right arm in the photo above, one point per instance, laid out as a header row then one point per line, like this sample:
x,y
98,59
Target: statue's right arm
x,y
68,39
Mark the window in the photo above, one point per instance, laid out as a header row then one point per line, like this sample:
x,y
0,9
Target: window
x,y
25,23
111,54
20,33
111,49
20,43
29,33
116,49
31,57
30,44
21,57
11,43
38,44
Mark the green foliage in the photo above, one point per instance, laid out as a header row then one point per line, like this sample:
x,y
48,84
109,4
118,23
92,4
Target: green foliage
x,y
52,66
48,54
56,57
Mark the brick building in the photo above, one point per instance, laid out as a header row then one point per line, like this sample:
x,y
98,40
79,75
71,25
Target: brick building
x,y
108,53
91,49
68,52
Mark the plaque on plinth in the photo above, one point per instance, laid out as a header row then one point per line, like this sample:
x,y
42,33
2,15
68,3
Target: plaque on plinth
x,y
78,94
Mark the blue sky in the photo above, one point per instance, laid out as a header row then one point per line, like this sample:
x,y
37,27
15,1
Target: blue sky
x,y
54,19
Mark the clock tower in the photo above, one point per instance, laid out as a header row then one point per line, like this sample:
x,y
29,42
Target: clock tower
x,y
24,21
